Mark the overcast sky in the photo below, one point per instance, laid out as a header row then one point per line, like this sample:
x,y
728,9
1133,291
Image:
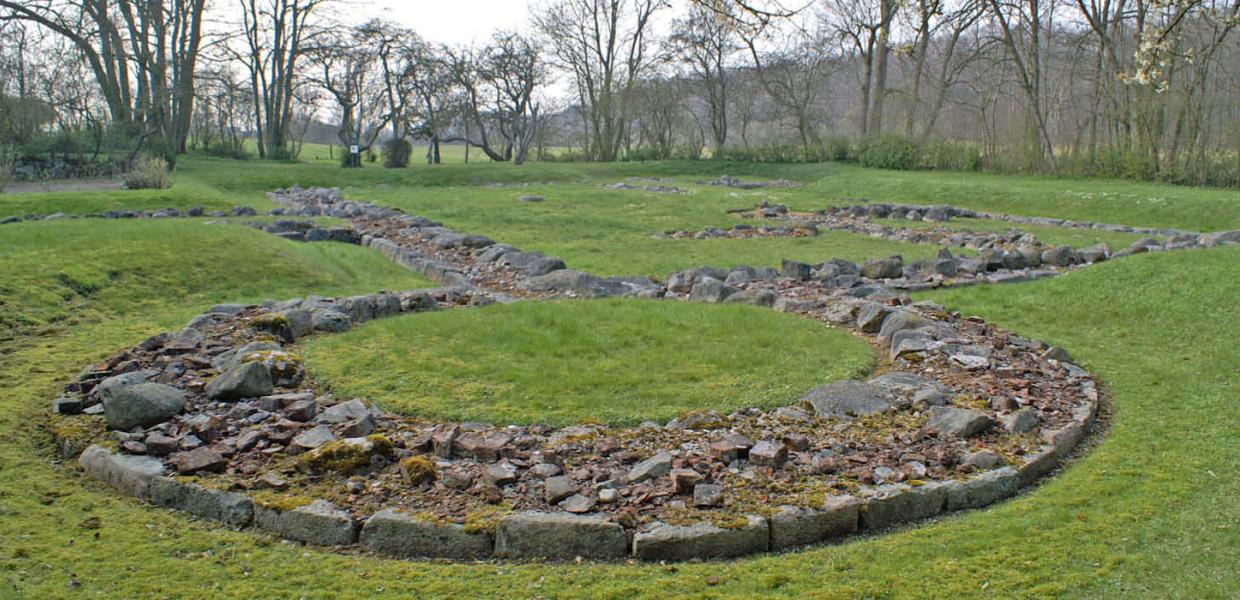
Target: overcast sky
x,y
449,21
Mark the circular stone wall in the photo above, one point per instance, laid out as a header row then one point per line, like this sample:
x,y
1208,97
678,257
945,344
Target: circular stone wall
x,y
565,362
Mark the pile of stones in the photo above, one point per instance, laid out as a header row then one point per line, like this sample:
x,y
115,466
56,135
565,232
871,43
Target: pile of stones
x,y
653,188
732,182
961,414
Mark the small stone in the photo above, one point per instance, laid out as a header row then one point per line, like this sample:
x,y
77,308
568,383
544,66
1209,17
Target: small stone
x,y
796,442
545,470
159,444
960,422
684,480
500,473
768,453
358,427
199,459
1021,421
578,504
68,405
457,479
608,495
883,475
559,488
655,466
272,481
133,447
302,410
248,439
707,495
246,380
345,411
983,459
313,438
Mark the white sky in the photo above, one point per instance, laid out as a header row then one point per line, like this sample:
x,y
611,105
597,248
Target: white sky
x,y
448,21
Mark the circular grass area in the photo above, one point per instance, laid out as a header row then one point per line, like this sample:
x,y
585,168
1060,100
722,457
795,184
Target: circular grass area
x,y
565,362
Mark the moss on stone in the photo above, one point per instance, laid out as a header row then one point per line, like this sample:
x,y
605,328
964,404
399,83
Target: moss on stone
x,y
271,321
484,519
345,456
417,470
280,502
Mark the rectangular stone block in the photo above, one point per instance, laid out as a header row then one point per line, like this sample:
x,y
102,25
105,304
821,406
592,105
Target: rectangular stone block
x,y
795,526
318,523
701,541
393,533
559,536
128,473
230,508
895,504
983,490
1037,465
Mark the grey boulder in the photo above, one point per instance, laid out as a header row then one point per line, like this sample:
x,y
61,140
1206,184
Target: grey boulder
x,y
142,405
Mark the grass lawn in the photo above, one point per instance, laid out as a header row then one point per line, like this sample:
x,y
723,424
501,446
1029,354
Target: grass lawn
x,y
564,362
1150,512
66,272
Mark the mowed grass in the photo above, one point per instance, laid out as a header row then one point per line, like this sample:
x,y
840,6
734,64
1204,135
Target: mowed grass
x,y
63,272
564,362
1148,513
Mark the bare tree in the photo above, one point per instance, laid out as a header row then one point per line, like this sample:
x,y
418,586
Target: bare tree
x,y
274,34
345,67
705,40
604,45
142,54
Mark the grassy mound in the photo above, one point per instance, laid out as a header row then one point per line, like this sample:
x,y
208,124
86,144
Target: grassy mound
x,y
618,361
65,272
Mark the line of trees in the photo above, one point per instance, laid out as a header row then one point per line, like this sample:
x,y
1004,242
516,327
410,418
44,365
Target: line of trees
x,y
1141,88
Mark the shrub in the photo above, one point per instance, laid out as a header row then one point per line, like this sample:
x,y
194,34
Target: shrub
x,y
396,153
148,174
951,156
838,149
8,157
889,152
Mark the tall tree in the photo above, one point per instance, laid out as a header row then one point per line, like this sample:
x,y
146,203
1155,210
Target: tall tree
x,y
705,40
605,46
274,36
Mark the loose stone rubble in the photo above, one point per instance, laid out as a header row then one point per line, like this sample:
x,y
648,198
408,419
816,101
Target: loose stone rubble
x,y
959,415
992,257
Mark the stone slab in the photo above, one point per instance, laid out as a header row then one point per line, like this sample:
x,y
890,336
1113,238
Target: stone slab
x,y
319,523
561,536
797,526
701,541
230,508
400,535
128,473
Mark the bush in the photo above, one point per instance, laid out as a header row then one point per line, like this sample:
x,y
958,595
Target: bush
x,y
889,152
148,174
8,157
396,153
950,156
838,149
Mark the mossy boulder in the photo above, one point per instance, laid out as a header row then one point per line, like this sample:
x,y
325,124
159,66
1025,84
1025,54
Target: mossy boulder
x,y
275,324
285,368
417,470
348,456
246,380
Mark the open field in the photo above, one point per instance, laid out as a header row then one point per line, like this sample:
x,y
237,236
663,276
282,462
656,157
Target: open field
x,y
1147,512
